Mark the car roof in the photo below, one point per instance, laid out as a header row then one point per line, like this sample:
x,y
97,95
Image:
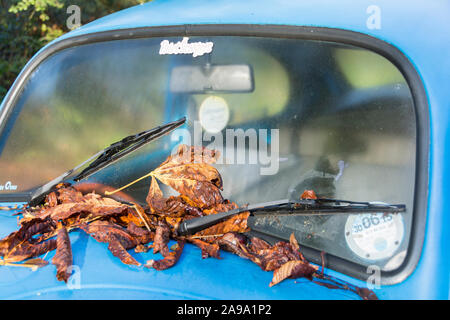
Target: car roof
x,y
397,17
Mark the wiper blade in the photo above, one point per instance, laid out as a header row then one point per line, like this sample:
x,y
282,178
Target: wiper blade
x,y
106,157
304,207
127,145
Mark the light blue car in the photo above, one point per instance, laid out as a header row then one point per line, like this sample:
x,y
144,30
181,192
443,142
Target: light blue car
x,y
346,98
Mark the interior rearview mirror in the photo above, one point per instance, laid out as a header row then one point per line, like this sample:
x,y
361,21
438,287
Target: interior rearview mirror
x,y
211,78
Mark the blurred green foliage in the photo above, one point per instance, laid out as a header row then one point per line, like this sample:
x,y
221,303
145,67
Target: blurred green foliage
x,y
27,25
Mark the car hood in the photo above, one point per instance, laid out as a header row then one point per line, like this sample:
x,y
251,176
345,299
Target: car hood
x,y
97,274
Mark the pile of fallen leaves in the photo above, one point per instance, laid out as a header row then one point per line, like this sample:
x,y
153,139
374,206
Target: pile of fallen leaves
x,y
126,226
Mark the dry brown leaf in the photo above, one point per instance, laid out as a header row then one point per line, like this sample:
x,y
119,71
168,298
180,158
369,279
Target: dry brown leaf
x,y
191,154
237,223
118,239
237,244
119,251
92,203
292,269
69,194
257,244
277,255
190,173
28,229
173,206
162,237
294,244
63,257
51,199
105,231
26,250
169,260
142,236
196,193
308,194
208,249
141,248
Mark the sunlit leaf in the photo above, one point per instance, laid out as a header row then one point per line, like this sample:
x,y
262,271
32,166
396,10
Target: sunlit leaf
x,y
292,269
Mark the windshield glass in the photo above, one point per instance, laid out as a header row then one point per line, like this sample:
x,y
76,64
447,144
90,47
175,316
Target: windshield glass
x,y
288,115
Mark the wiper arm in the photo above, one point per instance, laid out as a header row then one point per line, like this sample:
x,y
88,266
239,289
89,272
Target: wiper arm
x,y
304,207
106,157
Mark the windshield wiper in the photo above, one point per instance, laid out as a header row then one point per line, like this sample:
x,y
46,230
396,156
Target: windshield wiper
x,y
106,157
304,207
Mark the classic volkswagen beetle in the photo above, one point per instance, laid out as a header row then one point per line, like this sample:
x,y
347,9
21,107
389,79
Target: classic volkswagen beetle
x,y
345,98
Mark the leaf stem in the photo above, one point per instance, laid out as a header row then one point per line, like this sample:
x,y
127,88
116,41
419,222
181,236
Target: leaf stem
x,y
24,265
142,217
108,193
206,236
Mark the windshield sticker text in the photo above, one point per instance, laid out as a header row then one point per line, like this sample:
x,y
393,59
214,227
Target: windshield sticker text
x,y
197,49
8,186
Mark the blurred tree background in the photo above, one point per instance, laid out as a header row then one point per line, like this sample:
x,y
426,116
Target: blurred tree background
x,y
27,25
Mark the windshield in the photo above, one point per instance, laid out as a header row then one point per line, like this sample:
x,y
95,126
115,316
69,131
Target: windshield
x,y
287,115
